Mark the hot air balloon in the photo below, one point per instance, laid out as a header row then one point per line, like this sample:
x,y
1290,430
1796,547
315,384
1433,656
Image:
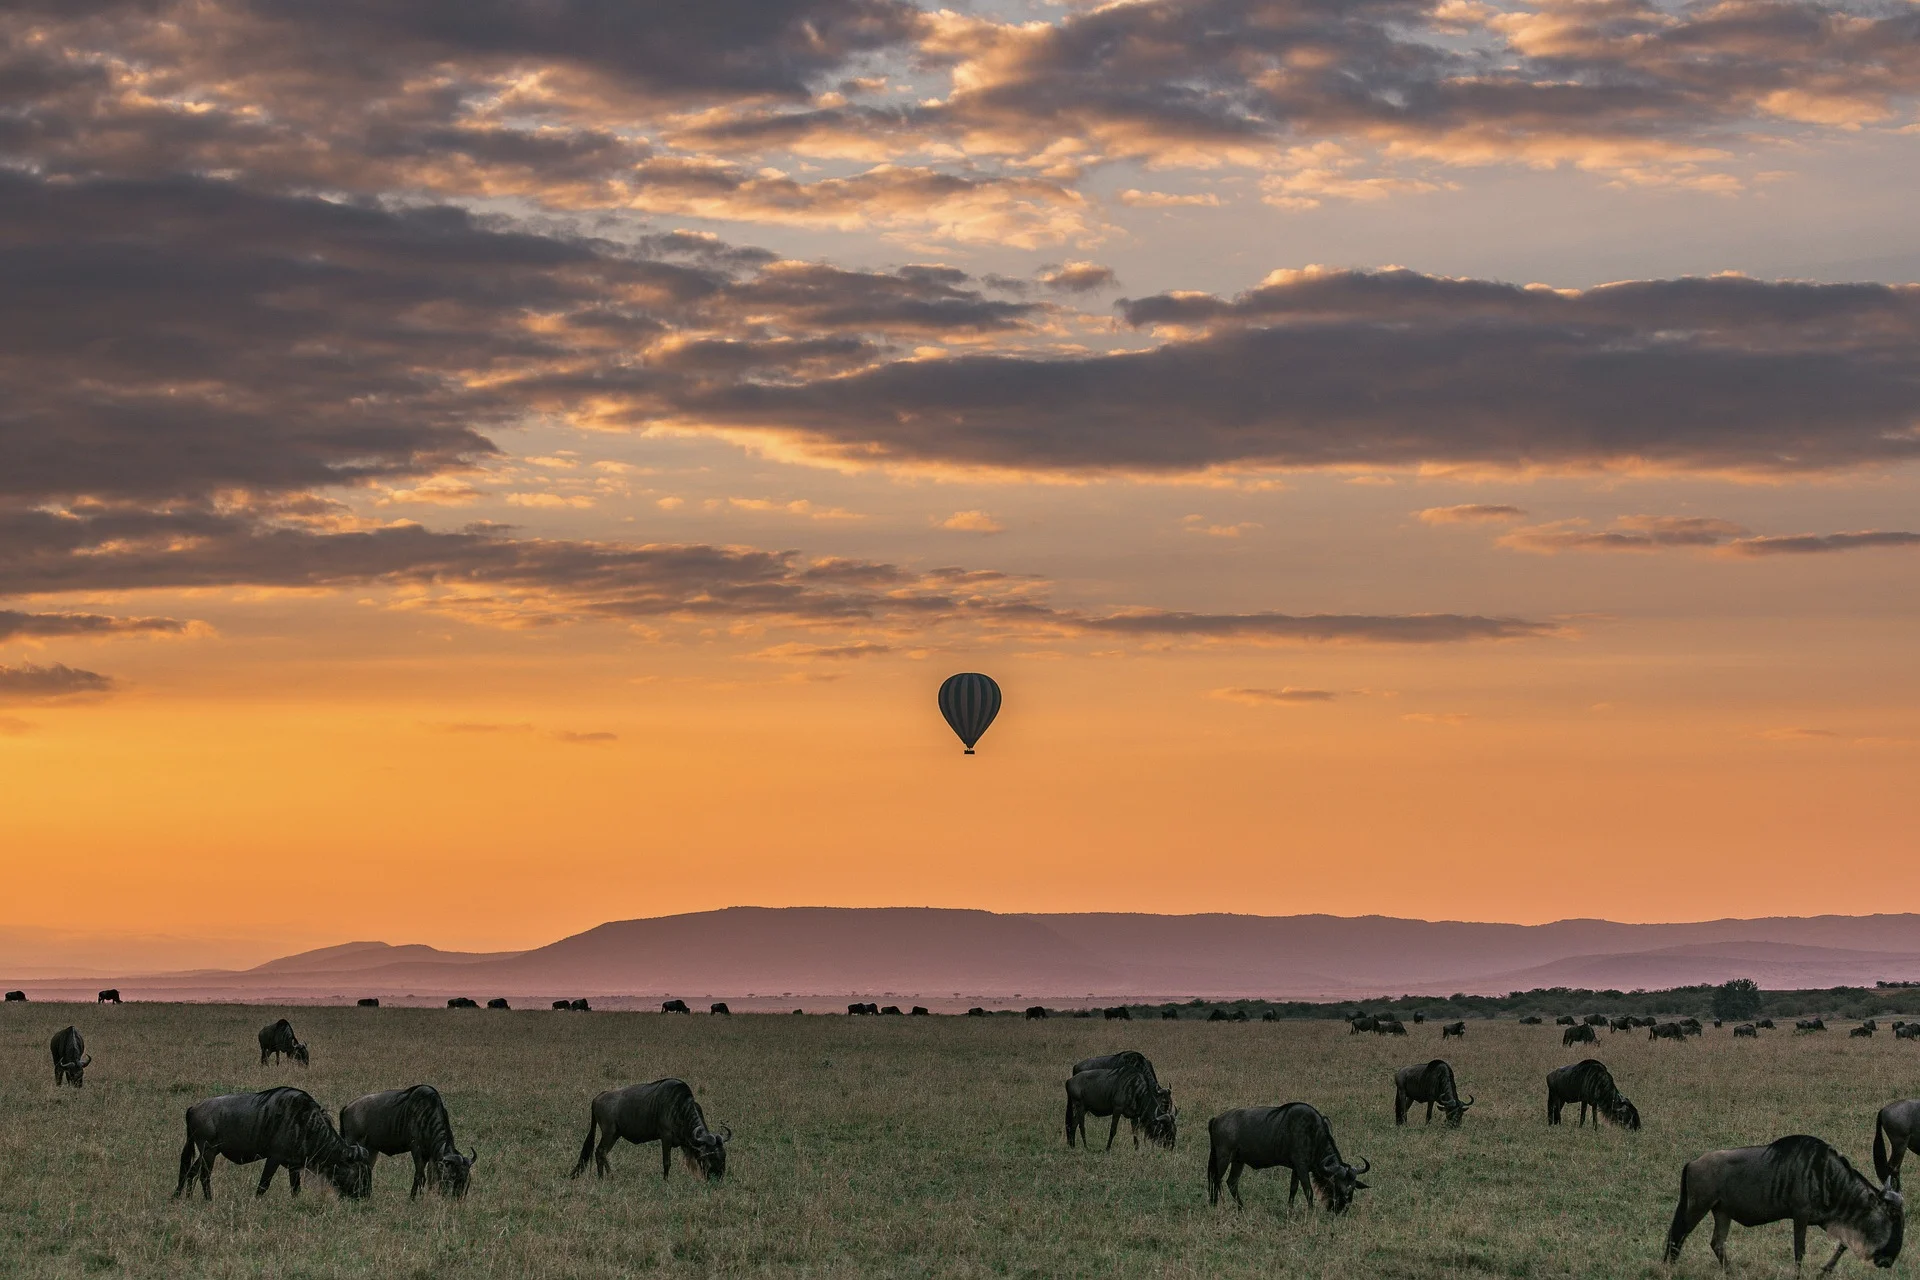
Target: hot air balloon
x,y
969,701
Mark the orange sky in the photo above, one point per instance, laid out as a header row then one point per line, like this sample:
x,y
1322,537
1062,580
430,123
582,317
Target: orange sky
x,y
501,480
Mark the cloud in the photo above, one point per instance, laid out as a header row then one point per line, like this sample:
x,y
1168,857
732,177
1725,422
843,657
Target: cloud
x,y
972,522
14,727
1629,533
795,652
30,683
599,738
1288,696
1821,543
1437,717
1471,513
14,623
1138,199
1077,277
1418,628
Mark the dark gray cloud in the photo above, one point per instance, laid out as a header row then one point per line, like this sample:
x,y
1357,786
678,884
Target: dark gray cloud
x,y
1801,544
30,683
1663,533
1286,697
14,623
1326,628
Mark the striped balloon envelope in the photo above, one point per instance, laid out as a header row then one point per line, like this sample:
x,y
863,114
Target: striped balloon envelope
x,y
969,701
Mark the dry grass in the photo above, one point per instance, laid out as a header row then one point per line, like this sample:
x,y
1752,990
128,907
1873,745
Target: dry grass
x,y
893,1147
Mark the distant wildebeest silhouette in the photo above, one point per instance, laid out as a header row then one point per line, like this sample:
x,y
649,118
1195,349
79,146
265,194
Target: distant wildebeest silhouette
x,y
368,1002
1667,1031
563,1004
282,1126
976,1012
1361,1022
1578,1033
720,1007
1170,1015
1809,1024
1590,1084
463,1002
1596,1019
919,1011
1531,1020
1418,1017
110,996
1036,1011
1120,1085
1896,1131
70,1058
1909,1032
498,1002
1294,1135
1620,1024
1453,1030
277,1038
662,1111
1746,1030
1117,1012
1565,1020
1431,1083
891,1011
680,1006
1270,1015
1765,1024
1798,1178
411,1121
16,997
580,1005
1861,1033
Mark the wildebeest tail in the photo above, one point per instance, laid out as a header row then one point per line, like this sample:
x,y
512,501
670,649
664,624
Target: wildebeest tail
x,y
189,1157
1069,1117
1677,1233
1882,1164
586,1148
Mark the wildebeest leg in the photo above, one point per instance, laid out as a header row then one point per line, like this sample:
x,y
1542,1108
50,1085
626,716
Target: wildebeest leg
x,y
608,1137
207,1155
1722,1220
419,1174
266,1177
189,1156
1553,1108
293,1179
1213,1176
1799,1242
1294,1183
1429,1113
1833,1260
1070,1120
1233,1183
1113,1131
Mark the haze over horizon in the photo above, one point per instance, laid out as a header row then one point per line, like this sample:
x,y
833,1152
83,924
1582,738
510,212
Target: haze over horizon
x,y
471,473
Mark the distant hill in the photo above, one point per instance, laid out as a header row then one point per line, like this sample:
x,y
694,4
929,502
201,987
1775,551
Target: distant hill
x,y
940,953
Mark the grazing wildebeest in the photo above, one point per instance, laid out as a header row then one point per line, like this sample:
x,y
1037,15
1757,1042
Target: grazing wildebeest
x,y
719,1007
919,1011
674,1006
1797,1178
1294,1135
278,1038
282,1126
1667,1031
498,1002
1596,1019
70,1058
1809,1024
1169,1015
110,996
1393,1028
661,1111
976,1012
410,1121
1117,1012
1453,1030
1870,1024
891,1011
1746,1029
1620,1024
1531,1020
1909,1032
580,1005
1579,1033
1431,1083
1765,1024
1270,1016
563,1004
1861,1033
16,997
1120,1085
1896,1131
1364,1022
368,1002
1036,1011
463,1002
1565,1020
1590,1084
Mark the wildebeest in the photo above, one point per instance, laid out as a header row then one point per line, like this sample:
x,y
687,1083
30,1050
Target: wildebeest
x,y
1531,1020
1596,1019
278,1038
976,1012
1579,1033
661,1111
919,1011
1565,1020
1797,1178
1418,1017
563,1004
1896,1131
1117,1012
1809,1024
1765,1024
1036,1011
1294,1135
580,1005
70,1058
463,1002
1121,1085
1364,1022
1861,1033
1453,1030
498,1002
1909,1032
1620,1024
1667,1031
1431,1083
1385,1027
16,997
368,1002
1746,1029
410,1121
1170,1015
282,1126
891,1011
719,1007
110,996
1870,1024
680,1006
1270,1015
1590,1084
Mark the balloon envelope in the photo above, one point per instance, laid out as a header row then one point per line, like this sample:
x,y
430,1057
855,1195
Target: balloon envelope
x,y
969,701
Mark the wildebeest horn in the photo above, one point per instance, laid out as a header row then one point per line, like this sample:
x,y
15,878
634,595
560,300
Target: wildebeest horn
x,y
728,1135
473,1156
87,1061
1365,1164
1467,1103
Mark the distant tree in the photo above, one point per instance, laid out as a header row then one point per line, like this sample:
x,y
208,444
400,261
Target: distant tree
x,y
1737,1000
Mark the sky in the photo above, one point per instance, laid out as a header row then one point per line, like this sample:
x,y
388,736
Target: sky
x,y
469,471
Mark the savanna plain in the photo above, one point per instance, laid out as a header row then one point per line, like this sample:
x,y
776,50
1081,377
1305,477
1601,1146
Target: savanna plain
x,y
899,1147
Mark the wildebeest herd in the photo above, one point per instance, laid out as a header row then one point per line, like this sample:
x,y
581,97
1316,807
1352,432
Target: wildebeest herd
x,y
1798,1178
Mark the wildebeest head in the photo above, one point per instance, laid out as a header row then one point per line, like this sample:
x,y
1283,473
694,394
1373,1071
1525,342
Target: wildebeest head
x,y
350,1171
1874,1233
1163,1123
453,1171
77,1071
709,1155
1624,1113
1337,1180
1457,1110
300,1054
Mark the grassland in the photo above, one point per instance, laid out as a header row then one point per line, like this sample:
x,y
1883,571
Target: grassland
x,y
895,1147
